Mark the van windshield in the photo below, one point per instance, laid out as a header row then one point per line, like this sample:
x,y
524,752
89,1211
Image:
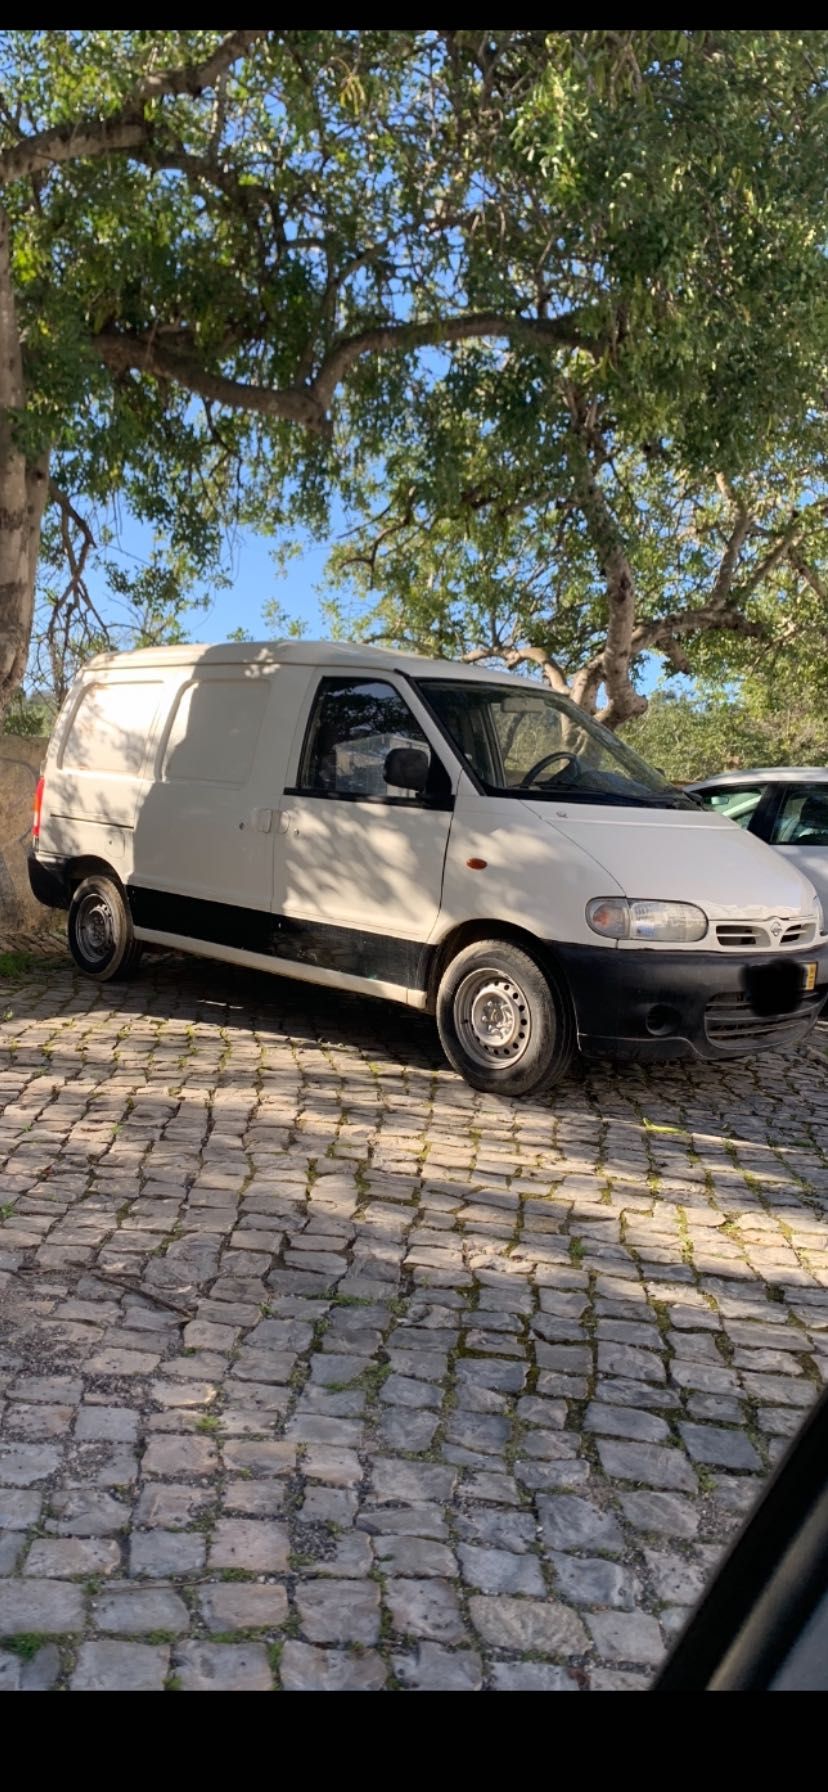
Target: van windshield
x,y
537,744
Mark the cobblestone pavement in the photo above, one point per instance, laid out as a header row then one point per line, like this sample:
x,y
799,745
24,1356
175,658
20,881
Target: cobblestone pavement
x,y
318,1370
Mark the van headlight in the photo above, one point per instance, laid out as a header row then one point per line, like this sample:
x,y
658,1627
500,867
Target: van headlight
x,y
619,919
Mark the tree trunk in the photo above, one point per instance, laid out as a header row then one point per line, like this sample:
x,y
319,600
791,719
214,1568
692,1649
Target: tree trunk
x,y
24,489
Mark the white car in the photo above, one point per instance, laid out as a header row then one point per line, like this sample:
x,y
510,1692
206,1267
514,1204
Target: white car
x,y
459,840
785,805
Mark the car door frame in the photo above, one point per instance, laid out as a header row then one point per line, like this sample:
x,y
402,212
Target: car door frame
x,y
781,791
395,958
765,806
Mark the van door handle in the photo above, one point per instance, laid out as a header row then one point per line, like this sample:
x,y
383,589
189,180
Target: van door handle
x,y
261,820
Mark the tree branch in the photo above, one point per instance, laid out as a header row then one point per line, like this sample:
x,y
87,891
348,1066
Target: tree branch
x,y
516,656
563,332
736,541
124,353
310,404
126,127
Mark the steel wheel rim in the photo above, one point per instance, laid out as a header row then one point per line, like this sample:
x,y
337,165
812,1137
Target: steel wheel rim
x,y
95,928
492,1018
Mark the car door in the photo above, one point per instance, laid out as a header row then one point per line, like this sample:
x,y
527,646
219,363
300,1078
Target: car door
x,y
799,830
359,863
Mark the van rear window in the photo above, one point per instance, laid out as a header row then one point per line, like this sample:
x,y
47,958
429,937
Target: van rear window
x,y
109,729
215,729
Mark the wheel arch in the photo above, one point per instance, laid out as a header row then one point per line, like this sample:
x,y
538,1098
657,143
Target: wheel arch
x,y
90,866
466,933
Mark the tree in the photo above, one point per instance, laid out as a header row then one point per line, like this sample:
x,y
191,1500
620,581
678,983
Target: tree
x,y
494,276
663,490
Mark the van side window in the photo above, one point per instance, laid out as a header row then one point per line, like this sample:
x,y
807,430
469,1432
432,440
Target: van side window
x,y
109,729
215,729
354,725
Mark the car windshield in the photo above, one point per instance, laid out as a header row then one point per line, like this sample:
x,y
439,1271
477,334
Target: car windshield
x,y
536,744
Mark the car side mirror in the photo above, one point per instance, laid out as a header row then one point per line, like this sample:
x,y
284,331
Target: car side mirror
x,y
407,768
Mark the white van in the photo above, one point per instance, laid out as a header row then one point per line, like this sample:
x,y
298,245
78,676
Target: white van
x,y
453,838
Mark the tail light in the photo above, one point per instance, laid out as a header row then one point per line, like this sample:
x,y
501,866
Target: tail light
x,y
38,805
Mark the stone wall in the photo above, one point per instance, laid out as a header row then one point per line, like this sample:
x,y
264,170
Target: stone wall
x,y
20,761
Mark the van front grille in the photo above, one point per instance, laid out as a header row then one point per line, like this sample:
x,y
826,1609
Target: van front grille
x,y
730,1020
742,935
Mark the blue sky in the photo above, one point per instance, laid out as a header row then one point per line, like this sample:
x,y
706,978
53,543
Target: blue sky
x,y
255,580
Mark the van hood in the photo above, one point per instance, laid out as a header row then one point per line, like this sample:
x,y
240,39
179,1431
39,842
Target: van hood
x,y
684,857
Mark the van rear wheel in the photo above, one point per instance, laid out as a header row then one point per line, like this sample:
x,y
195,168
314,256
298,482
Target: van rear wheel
x,y
101,937
505,1024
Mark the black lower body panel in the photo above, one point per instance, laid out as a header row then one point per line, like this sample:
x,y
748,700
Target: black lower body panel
x,y
378,957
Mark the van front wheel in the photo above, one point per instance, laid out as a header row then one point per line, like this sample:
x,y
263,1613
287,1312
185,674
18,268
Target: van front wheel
x,y
504,1023
101,939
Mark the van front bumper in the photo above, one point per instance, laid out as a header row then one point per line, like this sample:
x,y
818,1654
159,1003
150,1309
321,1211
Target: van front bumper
x,y
661,1005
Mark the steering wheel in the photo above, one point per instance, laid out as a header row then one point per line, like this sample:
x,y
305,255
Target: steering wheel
x,y
571,759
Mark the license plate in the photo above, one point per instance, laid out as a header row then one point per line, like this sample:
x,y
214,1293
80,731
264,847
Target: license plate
x,y
810,977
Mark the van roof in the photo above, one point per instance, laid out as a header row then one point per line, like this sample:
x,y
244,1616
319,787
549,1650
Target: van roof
x,y
303,653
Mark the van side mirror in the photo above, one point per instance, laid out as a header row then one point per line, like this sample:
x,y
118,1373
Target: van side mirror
x,y
407,768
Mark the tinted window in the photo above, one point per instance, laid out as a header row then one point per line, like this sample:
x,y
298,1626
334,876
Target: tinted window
x,y
802,817
110,727
215,729
737,803
354,725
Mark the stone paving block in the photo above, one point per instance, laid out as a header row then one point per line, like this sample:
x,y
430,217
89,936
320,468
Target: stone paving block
x,y
569,1522
649,1464
591,1580
527,1624
626,1636
499,1571
222,1667
138,1611
254,1545
56,1557
120,1667
19,1509
179,1456
241,1605
306,1669
163,1554
530,1676
23,1465
45,1607
432,1669
425,1608
106,1424
723,1448
393,1479
339,1612
169,1506
663,1513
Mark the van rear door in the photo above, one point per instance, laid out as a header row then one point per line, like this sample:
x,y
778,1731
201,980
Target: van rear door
x,y
97,765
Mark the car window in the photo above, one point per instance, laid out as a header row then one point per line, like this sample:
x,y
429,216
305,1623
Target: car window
x,y
522,740
802,817
738,804
354,725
